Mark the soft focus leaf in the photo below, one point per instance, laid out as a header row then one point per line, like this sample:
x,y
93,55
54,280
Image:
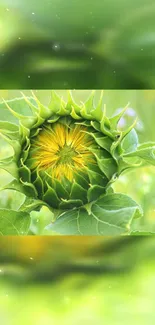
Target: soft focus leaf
x,y
14,222
110,215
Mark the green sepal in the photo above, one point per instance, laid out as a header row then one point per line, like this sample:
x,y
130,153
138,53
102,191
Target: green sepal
x,y
26,148
97,112
70,204
39,121
78,192
63,111
38,183
60,190
96,178
116,118
89,103
105,126
44,111
103,141
24,172
108,166
84,123
54,118
24,133
94,192
82,179
74,115
29,189
84,114
51,197
55,103
71,103
96,125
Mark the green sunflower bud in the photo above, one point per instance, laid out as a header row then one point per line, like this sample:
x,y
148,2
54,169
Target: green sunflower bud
x,y
67,156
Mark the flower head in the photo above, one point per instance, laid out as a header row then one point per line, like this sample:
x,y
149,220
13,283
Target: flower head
x,y
66,155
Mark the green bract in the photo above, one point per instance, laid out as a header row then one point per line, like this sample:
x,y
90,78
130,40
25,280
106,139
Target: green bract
x,y
66,157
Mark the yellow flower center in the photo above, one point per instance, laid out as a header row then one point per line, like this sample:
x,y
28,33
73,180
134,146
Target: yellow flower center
x,y
61,150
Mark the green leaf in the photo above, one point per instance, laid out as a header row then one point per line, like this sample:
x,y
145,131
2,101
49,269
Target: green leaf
x,y
9,129
142,233
144,151
130,142
18,105
14,222
110,215
31,204
10,166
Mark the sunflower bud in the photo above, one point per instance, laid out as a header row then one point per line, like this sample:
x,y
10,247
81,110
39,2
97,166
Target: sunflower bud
x,y
67,156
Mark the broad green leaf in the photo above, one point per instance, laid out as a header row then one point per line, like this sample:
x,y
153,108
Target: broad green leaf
x,y
19,106
14,222
110,215
144,151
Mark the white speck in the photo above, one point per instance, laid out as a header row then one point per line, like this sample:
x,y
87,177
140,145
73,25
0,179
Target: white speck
x,y
7,9
19,37
141,49
31,258
33,13
56,46
29,76
1,271
91,58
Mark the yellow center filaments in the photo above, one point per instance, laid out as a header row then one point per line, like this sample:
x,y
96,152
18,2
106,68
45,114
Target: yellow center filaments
x,y
61,150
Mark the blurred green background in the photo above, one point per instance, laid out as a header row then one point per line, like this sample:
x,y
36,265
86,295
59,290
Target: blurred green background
x,y
77,280
139,183
77,44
